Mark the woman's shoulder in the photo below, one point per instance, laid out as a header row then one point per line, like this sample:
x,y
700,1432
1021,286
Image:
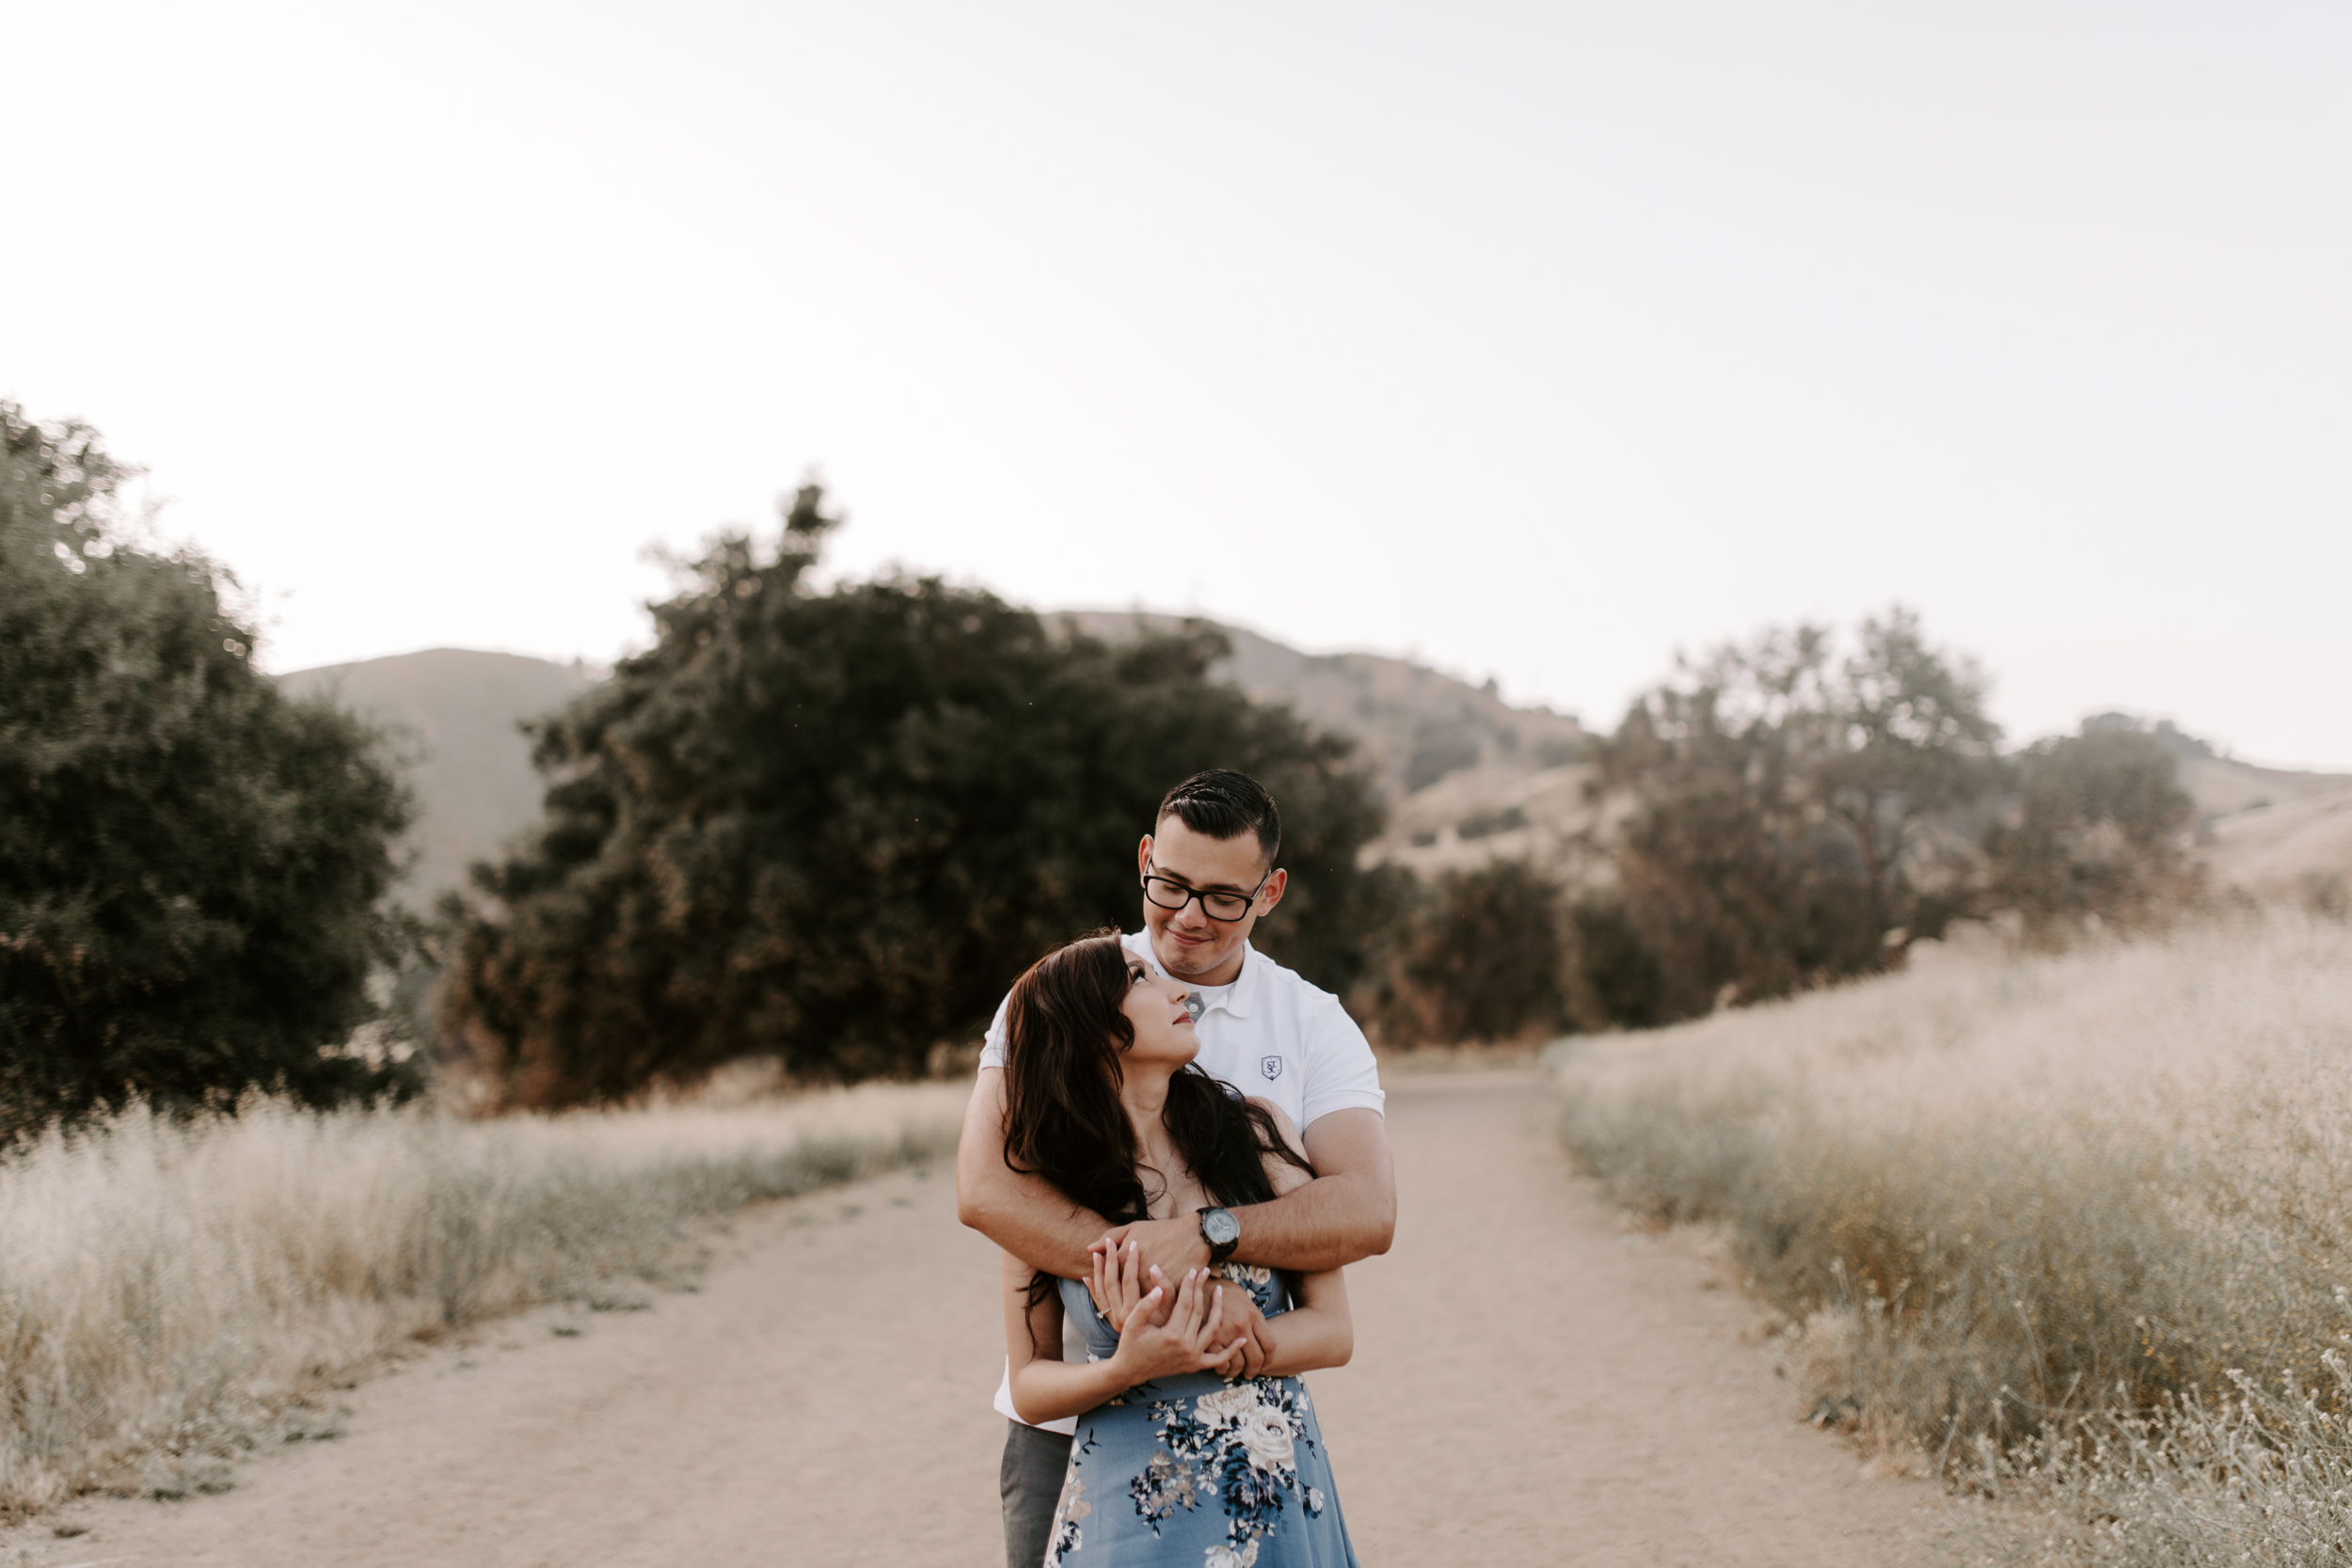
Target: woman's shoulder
x,y
1284,1175
1282,1122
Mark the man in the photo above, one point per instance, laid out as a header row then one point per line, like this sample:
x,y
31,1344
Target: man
x,y
1209,876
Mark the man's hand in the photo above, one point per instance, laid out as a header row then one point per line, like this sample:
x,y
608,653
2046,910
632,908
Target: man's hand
x,y
1172,1247
1245,1322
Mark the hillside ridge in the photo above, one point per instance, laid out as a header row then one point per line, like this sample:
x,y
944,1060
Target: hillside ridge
x,y
1414,725
456,717
1468,778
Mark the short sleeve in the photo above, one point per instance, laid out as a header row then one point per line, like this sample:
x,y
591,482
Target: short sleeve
x,y
992,1048
1342,1074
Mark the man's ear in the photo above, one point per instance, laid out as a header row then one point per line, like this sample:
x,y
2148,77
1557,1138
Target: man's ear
x,y
1271,893
1143,856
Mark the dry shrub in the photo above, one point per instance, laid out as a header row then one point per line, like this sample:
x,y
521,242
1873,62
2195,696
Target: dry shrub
x,y
168,1289
2252,1476
2044,1193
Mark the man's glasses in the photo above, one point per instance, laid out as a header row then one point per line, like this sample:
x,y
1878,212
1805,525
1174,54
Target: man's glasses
x,y
1168,893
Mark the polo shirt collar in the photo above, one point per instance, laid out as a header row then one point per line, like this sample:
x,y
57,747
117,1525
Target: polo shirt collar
x,y
1238,1000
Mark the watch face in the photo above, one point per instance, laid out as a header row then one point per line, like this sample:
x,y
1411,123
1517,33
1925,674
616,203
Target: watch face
x,y
1220,1228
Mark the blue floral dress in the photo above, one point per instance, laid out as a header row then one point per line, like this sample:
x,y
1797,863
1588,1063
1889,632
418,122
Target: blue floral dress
x,y
1195,1470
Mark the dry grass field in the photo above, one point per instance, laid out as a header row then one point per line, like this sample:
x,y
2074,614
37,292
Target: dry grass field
x,y
1534,1382
2069,1231
172,1293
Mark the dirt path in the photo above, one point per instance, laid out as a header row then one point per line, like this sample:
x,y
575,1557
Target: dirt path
x,y
1530,1386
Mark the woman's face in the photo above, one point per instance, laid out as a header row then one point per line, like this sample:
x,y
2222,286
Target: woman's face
x,y
1155,1009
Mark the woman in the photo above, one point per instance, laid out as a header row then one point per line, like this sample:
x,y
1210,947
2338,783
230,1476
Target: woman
x,y
1174,1461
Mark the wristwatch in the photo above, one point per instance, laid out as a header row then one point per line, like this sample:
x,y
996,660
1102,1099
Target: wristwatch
x,y
1221,1231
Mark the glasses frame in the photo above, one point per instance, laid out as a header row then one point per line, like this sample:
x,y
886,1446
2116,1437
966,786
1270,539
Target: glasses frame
x,y
1192,893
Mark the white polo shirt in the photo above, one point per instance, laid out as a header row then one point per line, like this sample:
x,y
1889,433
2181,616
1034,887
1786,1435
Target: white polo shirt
x,y
1271,1036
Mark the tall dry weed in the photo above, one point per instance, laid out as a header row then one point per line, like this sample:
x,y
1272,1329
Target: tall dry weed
x,y
2044,1193
166,1287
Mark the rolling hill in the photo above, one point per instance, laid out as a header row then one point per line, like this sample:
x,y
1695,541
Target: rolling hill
x,y
1467,777
1412,724
455,717
456,713
2275,833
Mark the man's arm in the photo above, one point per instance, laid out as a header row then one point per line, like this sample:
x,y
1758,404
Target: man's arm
x,y
1024,1215
1346,1213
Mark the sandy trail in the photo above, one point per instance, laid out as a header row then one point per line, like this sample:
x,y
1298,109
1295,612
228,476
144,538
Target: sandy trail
x,y
1530,1386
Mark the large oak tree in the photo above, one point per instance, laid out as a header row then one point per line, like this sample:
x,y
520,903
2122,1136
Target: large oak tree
x,y
192,866
830,826
1787,802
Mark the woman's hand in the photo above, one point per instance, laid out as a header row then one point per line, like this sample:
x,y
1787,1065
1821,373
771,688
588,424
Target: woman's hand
x,y
1117,1284
1192,1340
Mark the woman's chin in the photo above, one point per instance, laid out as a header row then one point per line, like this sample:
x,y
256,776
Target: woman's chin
x,y
1179,1053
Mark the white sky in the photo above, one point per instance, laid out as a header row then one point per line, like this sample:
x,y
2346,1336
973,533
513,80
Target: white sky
x,y
1534,339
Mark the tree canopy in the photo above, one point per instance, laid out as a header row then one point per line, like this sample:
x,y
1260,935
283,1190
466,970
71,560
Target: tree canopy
x,y
191,865
1483,957
2095,831
1784,793
831,826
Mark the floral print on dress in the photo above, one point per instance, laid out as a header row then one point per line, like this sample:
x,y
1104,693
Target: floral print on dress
x,y
1234,1471
1163,1487
1065,1536
1244,1440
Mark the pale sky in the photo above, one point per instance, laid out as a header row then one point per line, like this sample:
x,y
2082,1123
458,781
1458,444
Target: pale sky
x,y
1535,341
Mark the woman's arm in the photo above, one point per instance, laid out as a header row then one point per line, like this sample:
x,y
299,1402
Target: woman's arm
x,y
1045,1388
1318,1331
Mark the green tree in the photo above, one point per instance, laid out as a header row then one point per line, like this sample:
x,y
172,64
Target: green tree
x,y
1483,958
2096,830
832,826
191,865
1785,797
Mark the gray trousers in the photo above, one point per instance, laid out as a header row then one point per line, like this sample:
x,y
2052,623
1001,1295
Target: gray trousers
x,y
1030,1481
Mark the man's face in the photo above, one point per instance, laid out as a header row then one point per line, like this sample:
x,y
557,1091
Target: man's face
x,y
1187,942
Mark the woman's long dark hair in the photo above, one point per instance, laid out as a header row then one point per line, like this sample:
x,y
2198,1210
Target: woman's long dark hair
x,y
1064,1036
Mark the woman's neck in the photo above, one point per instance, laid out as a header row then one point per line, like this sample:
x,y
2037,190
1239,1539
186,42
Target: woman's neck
x,y
1143,1094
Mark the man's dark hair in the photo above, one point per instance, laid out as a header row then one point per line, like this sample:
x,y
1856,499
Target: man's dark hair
x,y
1225,804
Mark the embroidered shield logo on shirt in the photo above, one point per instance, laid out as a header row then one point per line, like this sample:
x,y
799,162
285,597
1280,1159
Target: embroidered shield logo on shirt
x,y
1194,1006
1270,1066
